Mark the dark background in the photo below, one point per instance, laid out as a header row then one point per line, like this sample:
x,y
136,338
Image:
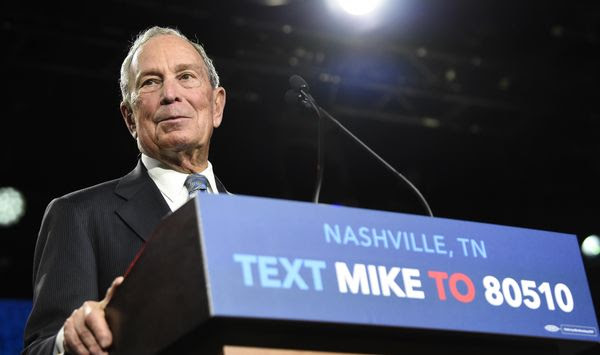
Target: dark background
x,y
489,107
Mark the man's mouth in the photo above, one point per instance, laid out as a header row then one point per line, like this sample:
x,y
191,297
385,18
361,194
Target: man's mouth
x,y
170,118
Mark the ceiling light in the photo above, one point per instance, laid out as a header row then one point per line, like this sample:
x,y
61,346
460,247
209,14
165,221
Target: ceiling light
x,y
359,7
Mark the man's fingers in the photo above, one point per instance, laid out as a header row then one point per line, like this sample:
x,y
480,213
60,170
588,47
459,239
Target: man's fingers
x,y
86,331
96,322
86,314
88,339
72,343
111,291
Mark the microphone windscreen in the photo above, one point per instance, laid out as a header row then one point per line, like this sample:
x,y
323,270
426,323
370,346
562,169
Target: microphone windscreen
x,y
297,83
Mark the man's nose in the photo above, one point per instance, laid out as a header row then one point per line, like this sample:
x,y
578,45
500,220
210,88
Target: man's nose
x,y
171,91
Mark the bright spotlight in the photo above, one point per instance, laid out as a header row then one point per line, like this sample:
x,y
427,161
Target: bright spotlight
x,y
12,206
359,7
591,246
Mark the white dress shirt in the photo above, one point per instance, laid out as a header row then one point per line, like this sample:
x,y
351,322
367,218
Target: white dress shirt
x,y
170,182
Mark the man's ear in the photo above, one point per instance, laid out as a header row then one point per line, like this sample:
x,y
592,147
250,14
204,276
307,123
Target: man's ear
x,y
219,97
127,114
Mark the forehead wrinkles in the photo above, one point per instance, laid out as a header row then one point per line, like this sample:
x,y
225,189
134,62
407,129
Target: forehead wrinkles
x,y
165,51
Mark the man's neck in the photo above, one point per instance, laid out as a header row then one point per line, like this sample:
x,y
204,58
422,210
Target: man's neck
x,y
184,162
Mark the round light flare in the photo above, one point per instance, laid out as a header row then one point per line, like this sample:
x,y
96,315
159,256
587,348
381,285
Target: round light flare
x,y
12,206
591,246
359,7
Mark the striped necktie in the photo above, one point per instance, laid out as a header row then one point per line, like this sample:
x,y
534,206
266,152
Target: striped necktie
x,y
195,183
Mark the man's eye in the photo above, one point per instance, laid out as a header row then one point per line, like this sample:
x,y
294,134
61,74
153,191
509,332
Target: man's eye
x,y
149,82
186,76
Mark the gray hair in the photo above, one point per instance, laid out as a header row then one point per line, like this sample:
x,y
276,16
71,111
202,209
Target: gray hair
x,y
142,38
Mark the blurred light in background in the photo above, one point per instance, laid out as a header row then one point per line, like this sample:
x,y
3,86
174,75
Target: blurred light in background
x,y
591,246
12,206
359,7
450,74
272,2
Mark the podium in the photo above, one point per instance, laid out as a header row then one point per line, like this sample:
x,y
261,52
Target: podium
x,y
247,275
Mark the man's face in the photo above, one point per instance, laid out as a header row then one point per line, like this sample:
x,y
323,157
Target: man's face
x,y
174,108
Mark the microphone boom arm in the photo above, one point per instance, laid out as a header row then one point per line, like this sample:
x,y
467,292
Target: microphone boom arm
x,y
300,93
379,159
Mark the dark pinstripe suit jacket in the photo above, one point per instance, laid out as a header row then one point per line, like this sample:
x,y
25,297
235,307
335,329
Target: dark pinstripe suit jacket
x,y
88,238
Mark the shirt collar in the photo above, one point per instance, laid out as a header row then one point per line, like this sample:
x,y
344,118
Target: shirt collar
x,y
170,182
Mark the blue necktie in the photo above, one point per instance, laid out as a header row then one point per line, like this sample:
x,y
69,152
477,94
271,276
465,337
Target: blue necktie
x,y
196,182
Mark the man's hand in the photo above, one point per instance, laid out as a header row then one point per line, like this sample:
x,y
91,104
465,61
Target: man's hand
x,y
86,330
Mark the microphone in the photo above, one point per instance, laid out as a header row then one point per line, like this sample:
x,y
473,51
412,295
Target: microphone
x,y
298,83
302,92
293,97
299,94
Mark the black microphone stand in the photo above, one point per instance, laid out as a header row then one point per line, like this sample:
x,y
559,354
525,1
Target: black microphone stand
x,y
300,94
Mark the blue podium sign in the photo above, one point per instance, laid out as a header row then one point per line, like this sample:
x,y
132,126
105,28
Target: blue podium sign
x,y
274,259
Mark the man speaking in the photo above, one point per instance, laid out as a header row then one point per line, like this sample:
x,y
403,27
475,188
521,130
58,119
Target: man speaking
x,y
171,103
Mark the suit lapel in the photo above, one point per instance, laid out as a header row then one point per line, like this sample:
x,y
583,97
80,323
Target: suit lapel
x,y
144,206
